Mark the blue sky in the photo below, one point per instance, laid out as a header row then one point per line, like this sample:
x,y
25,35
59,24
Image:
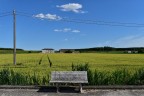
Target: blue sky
x,y
44,25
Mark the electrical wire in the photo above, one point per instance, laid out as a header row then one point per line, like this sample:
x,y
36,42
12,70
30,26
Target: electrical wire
x,y
86,20
5,15
101,23
23,15
20,12
83,21
2,13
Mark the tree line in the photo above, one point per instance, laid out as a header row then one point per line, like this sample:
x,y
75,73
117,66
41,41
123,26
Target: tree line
x,y
107,49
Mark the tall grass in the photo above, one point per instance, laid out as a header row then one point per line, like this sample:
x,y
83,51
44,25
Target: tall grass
x,y
117,77
9,77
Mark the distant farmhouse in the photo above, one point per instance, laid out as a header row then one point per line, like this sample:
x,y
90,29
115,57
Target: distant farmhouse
x,y
132,52
47,50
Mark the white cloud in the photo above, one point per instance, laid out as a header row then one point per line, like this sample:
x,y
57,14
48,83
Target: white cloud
x,y
67,30
75,31
57,30
128,41
42,16
48,16
74,7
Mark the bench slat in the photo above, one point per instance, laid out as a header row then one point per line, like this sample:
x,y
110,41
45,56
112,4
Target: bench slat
x,y
69,77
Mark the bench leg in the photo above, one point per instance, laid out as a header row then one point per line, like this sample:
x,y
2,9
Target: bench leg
x,y
81,88
57,87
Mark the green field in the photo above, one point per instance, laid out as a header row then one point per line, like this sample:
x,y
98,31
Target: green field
x,y
105,69
100,62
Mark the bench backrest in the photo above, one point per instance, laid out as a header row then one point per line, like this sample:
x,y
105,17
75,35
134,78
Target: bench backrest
x,y
69,77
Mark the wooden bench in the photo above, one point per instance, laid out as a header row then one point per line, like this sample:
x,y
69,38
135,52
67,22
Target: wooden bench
x,y
77,77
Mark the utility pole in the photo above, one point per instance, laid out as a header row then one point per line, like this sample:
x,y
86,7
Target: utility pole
x,y
14,37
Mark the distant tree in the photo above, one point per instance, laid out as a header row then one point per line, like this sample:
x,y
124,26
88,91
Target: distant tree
x,y
68,51
29,51
140,51
107,48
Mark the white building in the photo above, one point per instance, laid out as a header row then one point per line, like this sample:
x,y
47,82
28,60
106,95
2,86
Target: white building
x,y
47,50
132,52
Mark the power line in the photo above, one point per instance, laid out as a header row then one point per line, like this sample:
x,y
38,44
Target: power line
x,y
24,13
86,20
1,13
83,21
96,22
5,15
